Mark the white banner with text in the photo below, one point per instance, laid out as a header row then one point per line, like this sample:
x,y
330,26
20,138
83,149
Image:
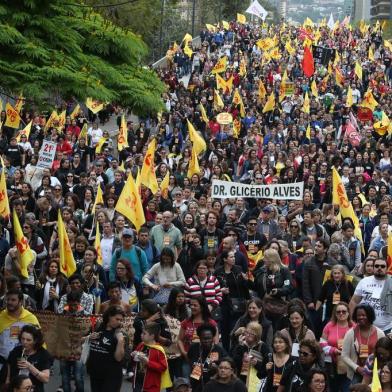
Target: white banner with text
x,y
227,189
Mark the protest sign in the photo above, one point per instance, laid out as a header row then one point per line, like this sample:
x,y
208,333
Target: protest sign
x,y
322,55
225,189
46,155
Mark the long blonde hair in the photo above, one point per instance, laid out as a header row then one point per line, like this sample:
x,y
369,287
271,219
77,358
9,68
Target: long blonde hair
x,y
274,259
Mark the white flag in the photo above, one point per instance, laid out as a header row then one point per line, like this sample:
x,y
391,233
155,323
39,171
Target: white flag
x,y
331,22
257,9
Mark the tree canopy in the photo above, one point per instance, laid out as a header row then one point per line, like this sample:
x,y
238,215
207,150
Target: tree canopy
x,y
58,49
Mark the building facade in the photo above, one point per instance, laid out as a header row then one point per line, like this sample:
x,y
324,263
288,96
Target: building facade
x,y
381,9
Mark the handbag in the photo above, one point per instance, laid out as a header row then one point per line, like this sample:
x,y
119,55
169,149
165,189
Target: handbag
x,y
274,306
238,305
162,296
216,313
85,351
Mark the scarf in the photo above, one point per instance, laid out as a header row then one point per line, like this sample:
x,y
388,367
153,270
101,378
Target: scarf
x,y
165,378
26,317
46,299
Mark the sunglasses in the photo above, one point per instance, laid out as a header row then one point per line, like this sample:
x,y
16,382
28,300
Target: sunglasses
x,y
252,224
380,266
304,353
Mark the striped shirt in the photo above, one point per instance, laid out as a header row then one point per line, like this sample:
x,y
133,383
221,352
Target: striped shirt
x,y
211,290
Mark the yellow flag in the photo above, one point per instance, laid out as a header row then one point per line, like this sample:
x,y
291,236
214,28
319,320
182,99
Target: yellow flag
x,y
306,106
275,53
358,70
203,114
236,127
122,138
25,131
289,48
339,197
265,44
83,133
210,27
225,25
237,100
388,45
4,204
241,18
193,167
98,147
97,244
98,198
187,38
220,83
376,384
307,134
220,66
371,54
262,90
1,105
339,77
337,59
242,70
330,69
13,118
270,104
188,51
75,112
51,120
218,103
368,100
67,261
308,22
349,100
19,103
199,144
61,120
382,127
94,105
147,174
25,255
282,88
130,205
165,186
313,88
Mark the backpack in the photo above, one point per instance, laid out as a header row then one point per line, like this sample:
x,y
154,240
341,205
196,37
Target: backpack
x,y
118,251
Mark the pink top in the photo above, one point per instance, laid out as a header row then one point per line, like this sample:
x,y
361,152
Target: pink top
x,y
334,335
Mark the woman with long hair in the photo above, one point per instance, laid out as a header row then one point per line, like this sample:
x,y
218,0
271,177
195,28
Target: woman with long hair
x,y
278,362
131,289
226,379
234,288
27,196
316,381
254,312
176,306
386,377
383,353
163,276
30,358
21,383
107,350
51,286
332,343
335,289
360,341
297,330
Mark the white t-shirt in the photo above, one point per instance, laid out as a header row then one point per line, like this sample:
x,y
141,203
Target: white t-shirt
x,y
370,289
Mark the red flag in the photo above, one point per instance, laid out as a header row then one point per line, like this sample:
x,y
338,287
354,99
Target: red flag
x,y
308,63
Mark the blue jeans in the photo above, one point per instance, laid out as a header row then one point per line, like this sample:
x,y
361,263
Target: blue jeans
x,y
65,369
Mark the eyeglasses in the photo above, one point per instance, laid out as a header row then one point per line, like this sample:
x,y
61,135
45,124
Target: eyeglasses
x,y
304,353
252,224
294,226
341,311
382,266
259,178
57,189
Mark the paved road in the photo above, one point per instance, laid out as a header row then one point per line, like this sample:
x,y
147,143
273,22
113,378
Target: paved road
x,y
55,382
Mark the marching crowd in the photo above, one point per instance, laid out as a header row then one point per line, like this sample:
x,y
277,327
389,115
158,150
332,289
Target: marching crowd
x,y
271,295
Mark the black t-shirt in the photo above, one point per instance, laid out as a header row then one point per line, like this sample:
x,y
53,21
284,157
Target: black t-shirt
x,y
253,243
101,359
15,155
40,360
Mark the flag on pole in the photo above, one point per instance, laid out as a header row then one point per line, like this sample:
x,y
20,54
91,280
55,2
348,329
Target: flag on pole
x,y
199,144
165,186
67,261
368,101
237,100
94,105
218,103
25,255
306,105
187,38
75,112
308,63
349,100
371,54
25,131
19,103
83,133
98,147
262,90
130,205
270,104
376,384
358,71
203,114
147,174
313,88
241,18
331,22
308,132
51,120
13,118
122,138
98,198
339,197
97,244
4,204
220,65
193,167
257,9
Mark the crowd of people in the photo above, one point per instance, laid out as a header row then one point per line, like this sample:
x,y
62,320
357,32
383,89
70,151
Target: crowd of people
x,y
278,295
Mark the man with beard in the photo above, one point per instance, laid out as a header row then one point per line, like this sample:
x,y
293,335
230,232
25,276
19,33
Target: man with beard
x,y
375,291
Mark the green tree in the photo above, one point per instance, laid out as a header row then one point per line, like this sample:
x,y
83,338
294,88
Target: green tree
x,y
57,49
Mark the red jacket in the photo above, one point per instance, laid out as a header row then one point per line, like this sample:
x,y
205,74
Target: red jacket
x,y
155,367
